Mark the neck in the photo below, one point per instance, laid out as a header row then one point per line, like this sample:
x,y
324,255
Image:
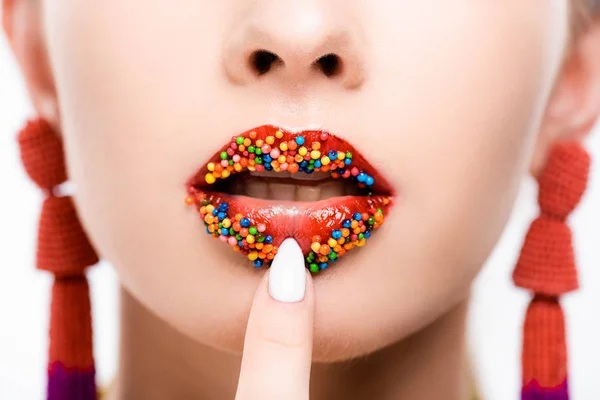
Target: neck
x,y
157,362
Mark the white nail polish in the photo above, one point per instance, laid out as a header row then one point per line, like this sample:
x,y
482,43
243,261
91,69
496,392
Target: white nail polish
x,y
287,275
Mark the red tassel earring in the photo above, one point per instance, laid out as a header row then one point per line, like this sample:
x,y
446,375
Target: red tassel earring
x,y
547,268
63,249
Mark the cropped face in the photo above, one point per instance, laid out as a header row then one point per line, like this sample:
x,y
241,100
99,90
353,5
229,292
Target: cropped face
x,y
438,104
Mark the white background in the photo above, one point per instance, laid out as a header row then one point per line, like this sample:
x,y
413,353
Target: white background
x,y
496,316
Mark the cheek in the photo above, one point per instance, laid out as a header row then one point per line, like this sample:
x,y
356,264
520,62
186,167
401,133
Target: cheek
x,y
137,104
456,118
450,109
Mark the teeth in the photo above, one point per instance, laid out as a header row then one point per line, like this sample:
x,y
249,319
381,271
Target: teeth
x,y
271,174
301,176
315,176
332,189
308,193
282,191
261,188
258,188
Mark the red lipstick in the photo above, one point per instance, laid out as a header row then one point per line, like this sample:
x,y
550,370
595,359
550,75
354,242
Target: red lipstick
x,y
325,229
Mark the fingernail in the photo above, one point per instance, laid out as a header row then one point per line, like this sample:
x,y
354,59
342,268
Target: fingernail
x,y
287,275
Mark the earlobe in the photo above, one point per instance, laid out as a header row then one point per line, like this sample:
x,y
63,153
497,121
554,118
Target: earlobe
x,y
22,23
574,105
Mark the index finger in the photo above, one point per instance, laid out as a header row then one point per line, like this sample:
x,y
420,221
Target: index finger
x,y
278,345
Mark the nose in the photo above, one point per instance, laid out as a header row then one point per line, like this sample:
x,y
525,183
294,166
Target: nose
x,y
295,42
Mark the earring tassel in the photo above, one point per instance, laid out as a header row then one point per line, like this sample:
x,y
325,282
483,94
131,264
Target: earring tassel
x,y
63,249
71,373
544,357
547,267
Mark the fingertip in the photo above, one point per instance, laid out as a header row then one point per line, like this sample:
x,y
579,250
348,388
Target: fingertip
x,y
288,274
279,336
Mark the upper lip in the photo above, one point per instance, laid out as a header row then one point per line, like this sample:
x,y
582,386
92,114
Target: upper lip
x,y
328,143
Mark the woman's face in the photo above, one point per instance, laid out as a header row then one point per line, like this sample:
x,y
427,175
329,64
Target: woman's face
x,y
444,98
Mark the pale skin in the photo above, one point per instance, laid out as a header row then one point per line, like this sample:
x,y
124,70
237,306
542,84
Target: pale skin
x,y
454,101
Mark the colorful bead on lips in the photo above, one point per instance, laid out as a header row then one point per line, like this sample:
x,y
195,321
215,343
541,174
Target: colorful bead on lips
x,y
237,231
255,230
353,233
271,149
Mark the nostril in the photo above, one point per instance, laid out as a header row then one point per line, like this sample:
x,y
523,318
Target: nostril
x,y
329,64
262,61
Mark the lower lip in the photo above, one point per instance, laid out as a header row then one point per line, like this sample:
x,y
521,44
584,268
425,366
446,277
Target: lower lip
x,y
325,230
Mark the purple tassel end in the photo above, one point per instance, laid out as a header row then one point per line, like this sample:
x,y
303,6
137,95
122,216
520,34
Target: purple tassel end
x,y
71,383
533,391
